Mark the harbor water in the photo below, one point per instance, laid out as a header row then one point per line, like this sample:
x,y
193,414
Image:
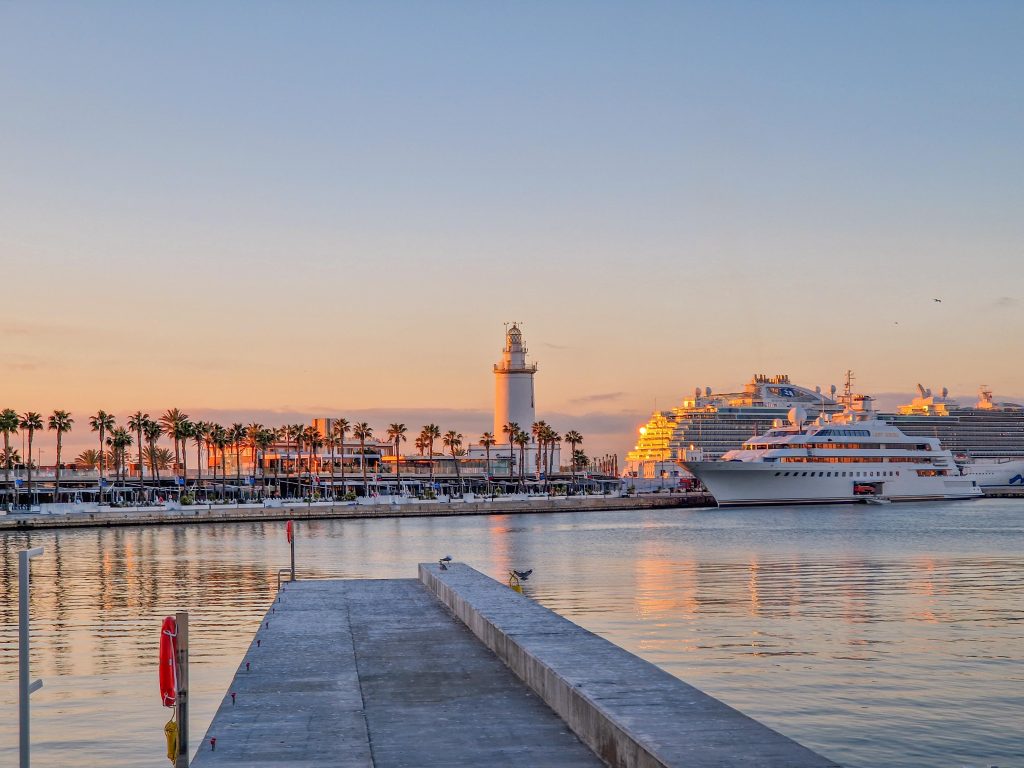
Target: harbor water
x,y
876,635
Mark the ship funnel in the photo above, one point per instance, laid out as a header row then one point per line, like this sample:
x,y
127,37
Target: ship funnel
x,y
832,391
707,391
945,392
920,388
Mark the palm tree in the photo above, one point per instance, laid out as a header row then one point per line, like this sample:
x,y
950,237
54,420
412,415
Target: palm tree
x,y
120,441
8,425
453,442
573,438
298,430
537,430
183,431
102,422
396,433
363,432
201,437
253,432
89,459
522,440
511,430
236,436
153,430
430,433
137,421
340,428
314,441
487,440
550,438
158,458
421,444
30,422
10,456
219,440
171,421
59,422
264,440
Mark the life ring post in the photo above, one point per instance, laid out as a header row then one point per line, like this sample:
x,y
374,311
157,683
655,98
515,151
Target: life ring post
x,y
290,533
181,702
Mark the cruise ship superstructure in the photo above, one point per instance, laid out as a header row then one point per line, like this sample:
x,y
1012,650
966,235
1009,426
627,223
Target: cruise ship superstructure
x,y
987,439
709,424
847,457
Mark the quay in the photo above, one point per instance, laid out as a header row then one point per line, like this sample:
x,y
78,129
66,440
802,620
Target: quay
x,y
456,669
229,513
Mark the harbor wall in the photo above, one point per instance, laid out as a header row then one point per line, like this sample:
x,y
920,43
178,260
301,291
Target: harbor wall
x,y
109,517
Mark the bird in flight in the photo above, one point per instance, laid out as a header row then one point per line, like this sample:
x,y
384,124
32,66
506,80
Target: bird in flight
x,y
937,301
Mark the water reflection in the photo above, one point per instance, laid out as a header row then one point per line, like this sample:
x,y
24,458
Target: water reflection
x,y
888,638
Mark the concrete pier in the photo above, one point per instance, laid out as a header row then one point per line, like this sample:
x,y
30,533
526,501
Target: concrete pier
x,y
456,669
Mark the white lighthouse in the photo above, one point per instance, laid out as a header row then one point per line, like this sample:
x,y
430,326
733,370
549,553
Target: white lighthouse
x,y
513,386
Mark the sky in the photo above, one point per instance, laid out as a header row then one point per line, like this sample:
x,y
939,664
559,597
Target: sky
x,y
298,209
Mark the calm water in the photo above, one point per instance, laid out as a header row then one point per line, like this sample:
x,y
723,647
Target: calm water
x,y
879,636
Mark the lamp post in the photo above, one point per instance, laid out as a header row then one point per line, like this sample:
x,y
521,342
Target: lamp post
x,y
25,688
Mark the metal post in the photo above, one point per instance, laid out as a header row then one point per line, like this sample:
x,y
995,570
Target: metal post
x,y
293,552
25,688
181,701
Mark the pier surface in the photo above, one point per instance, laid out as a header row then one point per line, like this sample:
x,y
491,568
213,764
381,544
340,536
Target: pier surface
x,y
378,673
456,669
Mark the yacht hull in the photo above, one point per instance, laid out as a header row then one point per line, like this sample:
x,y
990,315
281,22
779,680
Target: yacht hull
x,y
745,483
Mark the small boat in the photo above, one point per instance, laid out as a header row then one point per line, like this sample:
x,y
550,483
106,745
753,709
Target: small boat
x,y
877,500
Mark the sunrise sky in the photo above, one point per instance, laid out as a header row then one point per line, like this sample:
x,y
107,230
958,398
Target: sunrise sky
x,y
269,210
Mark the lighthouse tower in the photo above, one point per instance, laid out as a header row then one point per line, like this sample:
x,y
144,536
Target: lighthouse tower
x,y
513,386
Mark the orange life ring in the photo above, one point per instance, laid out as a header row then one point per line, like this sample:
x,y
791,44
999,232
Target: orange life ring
x,y
169,662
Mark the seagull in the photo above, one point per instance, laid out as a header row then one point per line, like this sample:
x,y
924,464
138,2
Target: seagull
x,y
443,562
938,301
524,575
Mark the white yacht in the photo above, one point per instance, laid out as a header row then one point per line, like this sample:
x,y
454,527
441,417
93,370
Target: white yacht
x,y
851,456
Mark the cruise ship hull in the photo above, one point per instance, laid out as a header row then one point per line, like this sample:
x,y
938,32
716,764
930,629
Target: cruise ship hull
x,y
744,483
996,473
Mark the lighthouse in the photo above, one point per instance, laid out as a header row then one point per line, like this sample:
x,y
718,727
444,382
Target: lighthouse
x,y
513,385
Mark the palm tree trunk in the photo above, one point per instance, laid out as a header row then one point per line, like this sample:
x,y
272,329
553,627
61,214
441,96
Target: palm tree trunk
x,y
56,485
30,434
141,465
362,462
398,464
7,466
343,464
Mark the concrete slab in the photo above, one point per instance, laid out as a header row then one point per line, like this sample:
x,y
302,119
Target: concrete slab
x,y
378,673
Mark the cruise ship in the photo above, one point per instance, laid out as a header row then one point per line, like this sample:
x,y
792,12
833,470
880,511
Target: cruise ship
x,y
986,439
847,457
